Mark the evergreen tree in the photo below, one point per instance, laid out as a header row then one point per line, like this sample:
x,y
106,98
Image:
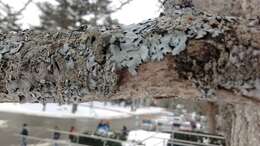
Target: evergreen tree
x,y
70,14
9,17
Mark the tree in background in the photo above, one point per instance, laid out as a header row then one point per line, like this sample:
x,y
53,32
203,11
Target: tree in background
x,y
9,17
62,14
70,14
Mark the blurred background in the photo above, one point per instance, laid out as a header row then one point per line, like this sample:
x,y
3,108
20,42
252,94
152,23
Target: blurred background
x,y
68,14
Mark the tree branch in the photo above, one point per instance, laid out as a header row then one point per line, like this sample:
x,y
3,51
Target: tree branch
x,y
122,4
24,7
164,57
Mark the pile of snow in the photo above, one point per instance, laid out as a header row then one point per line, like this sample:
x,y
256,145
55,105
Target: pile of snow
x,y
3,124
96,110
147,138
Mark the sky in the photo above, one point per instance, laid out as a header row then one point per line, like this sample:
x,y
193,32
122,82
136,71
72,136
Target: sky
x,y
135,12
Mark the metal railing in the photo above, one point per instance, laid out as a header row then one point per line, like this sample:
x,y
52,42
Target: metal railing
x,y
88,136
173,141
197,134
67,133
50,141
186,143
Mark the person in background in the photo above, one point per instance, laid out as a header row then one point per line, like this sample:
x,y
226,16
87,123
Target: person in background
x,y
72,136
124,133
100,127
103,128
107,126
24,133
100,124
193,125
56,135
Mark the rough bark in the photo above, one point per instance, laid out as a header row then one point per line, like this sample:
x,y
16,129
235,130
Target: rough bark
x,y
207,54
244,8
185,53
246,126
241,124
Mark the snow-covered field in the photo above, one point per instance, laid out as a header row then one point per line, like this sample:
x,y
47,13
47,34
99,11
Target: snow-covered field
x,y
96,110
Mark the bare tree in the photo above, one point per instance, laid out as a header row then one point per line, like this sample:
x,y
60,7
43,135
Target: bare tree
x,y
9,17
70,14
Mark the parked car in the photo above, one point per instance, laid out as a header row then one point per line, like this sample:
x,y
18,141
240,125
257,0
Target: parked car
x,y
186,126
148,125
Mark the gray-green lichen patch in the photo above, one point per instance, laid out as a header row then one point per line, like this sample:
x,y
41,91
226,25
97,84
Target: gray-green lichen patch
x,y
50,66
153,39
130,49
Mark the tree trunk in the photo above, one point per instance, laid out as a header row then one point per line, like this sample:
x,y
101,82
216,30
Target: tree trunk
x,y
74,107
44,104
241,8
246,126
211,116
44,107
133,105
241,124
75,104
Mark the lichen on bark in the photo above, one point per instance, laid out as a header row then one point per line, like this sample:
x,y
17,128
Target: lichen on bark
x,y
183,53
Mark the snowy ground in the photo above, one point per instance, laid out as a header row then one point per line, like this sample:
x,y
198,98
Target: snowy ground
x,y
95,110
43,144
149,138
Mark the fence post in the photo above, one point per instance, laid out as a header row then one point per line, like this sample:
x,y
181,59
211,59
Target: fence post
x,y
164,143
172,137
104,144
78,139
